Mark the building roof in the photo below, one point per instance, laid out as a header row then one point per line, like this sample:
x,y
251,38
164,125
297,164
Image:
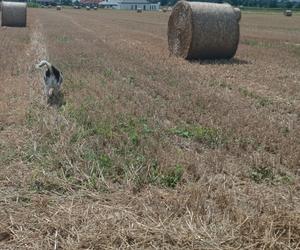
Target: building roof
x,y
45,1
108,4
91,1
134,1
118,2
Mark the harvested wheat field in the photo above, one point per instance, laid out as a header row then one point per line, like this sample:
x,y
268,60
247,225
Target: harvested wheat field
x,y
149,151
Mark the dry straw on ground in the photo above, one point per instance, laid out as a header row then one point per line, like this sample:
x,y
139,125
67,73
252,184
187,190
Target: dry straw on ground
x,y
14,14
203,30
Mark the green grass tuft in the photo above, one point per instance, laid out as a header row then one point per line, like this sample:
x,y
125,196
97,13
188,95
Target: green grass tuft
x,y
208,136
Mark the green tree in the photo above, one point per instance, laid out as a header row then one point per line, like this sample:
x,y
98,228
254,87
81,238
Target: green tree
x,y
66,2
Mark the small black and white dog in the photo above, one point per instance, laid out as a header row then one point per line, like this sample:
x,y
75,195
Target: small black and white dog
x,y
53,79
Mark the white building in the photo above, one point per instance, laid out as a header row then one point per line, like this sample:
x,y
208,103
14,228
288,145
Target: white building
x,y
130,5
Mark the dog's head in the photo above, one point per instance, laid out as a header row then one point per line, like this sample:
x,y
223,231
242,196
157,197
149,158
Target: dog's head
x,y
42,64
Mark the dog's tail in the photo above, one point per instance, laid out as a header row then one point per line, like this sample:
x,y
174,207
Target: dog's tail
x,y
43,63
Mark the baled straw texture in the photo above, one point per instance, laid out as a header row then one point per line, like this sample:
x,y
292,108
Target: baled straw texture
x,y
203,30
238,13
14,14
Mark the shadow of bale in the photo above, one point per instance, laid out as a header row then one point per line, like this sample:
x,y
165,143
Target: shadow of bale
x,y
232,61
57,99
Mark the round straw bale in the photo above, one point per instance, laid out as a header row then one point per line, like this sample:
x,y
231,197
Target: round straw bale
x,y
14,14
288,13
198,30
58,7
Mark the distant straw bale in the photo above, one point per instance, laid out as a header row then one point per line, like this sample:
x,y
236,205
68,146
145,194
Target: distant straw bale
x,y
238,13
288,13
